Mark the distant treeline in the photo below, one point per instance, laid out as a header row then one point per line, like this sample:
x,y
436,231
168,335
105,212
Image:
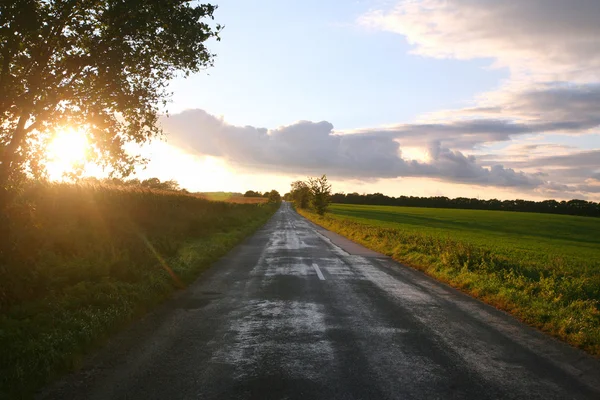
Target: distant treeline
x,y
571,207
151,183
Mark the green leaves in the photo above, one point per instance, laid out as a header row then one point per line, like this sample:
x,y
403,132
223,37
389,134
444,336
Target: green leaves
x,y
314,193
320,194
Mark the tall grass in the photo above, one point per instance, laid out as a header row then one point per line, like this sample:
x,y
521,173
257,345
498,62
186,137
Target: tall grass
x,y
558,294
83,261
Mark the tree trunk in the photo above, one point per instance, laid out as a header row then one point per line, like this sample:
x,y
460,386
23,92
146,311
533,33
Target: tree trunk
x,y
10,151
7,169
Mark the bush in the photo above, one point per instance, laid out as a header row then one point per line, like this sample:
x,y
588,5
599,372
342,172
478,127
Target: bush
x,y
84,260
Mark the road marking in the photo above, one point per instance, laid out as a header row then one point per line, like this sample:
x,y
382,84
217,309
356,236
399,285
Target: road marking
x,y
319,273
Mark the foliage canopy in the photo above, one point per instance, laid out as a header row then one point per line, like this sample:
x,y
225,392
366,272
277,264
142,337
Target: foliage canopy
x,y
99,65
320,194
314,193
274,196
300,194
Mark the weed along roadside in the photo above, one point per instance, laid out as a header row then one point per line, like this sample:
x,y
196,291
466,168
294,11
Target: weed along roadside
x,y
558,294
91,259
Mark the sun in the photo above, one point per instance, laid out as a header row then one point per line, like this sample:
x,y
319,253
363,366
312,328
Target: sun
x,y
65,152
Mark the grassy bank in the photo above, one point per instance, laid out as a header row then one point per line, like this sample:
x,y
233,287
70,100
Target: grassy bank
x,y
85,261
545,269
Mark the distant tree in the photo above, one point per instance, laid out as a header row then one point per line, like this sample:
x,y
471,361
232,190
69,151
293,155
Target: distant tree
x,y
274,196
133,182
171,184
320,194
155,183
101,66
300,194
252,193
151,183
114,181
571,207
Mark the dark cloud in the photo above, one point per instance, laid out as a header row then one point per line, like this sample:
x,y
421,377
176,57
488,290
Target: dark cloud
x,y
573,174
455,134
526,148
588,188
580,161
455,166
551,108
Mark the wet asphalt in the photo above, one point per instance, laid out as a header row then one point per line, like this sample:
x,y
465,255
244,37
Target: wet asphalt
x,y
296,312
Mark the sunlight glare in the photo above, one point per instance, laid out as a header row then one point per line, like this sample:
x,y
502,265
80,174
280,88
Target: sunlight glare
x,y
67,150
201,173
416,153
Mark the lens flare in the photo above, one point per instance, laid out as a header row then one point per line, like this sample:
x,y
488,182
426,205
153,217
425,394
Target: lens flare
x,y
67,150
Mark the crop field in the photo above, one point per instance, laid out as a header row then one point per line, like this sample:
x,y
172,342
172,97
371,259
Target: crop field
x,y
218,196
543,268
84,261
246,200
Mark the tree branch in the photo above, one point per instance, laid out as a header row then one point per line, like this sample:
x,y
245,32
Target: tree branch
x,y
6,58
8,155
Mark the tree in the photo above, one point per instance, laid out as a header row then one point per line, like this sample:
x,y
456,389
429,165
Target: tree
x,y
101,66
155,183
573,207
320,194
274,196
300,194
252,193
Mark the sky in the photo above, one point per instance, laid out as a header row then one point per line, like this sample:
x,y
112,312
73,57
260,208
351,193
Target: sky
x,y
473,98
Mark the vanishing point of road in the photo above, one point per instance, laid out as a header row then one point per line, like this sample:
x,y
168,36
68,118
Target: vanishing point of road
x,y
296,312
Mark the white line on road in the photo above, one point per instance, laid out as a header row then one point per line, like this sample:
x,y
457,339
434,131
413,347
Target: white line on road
x,y
319,274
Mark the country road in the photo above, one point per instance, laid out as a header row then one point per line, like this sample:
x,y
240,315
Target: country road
x,y
295,312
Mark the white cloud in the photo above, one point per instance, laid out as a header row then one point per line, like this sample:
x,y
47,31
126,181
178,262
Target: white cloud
x,y
551,39
314,148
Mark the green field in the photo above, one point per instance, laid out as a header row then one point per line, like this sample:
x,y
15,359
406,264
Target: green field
x,y
544,268
534,236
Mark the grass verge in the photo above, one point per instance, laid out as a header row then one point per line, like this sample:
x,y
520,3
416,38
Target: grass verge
x,y
85,261
559,295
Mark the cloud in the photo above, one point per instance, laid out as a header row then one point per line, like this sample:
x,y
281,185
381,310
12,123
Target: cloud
x,y
573,174
544,107
528,148
581,159
465,134
556,39
550,46
314,148
583,162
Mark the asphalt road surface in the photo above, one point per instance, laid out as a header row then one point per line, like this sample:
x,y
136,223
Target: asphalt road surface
x,y
296,312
